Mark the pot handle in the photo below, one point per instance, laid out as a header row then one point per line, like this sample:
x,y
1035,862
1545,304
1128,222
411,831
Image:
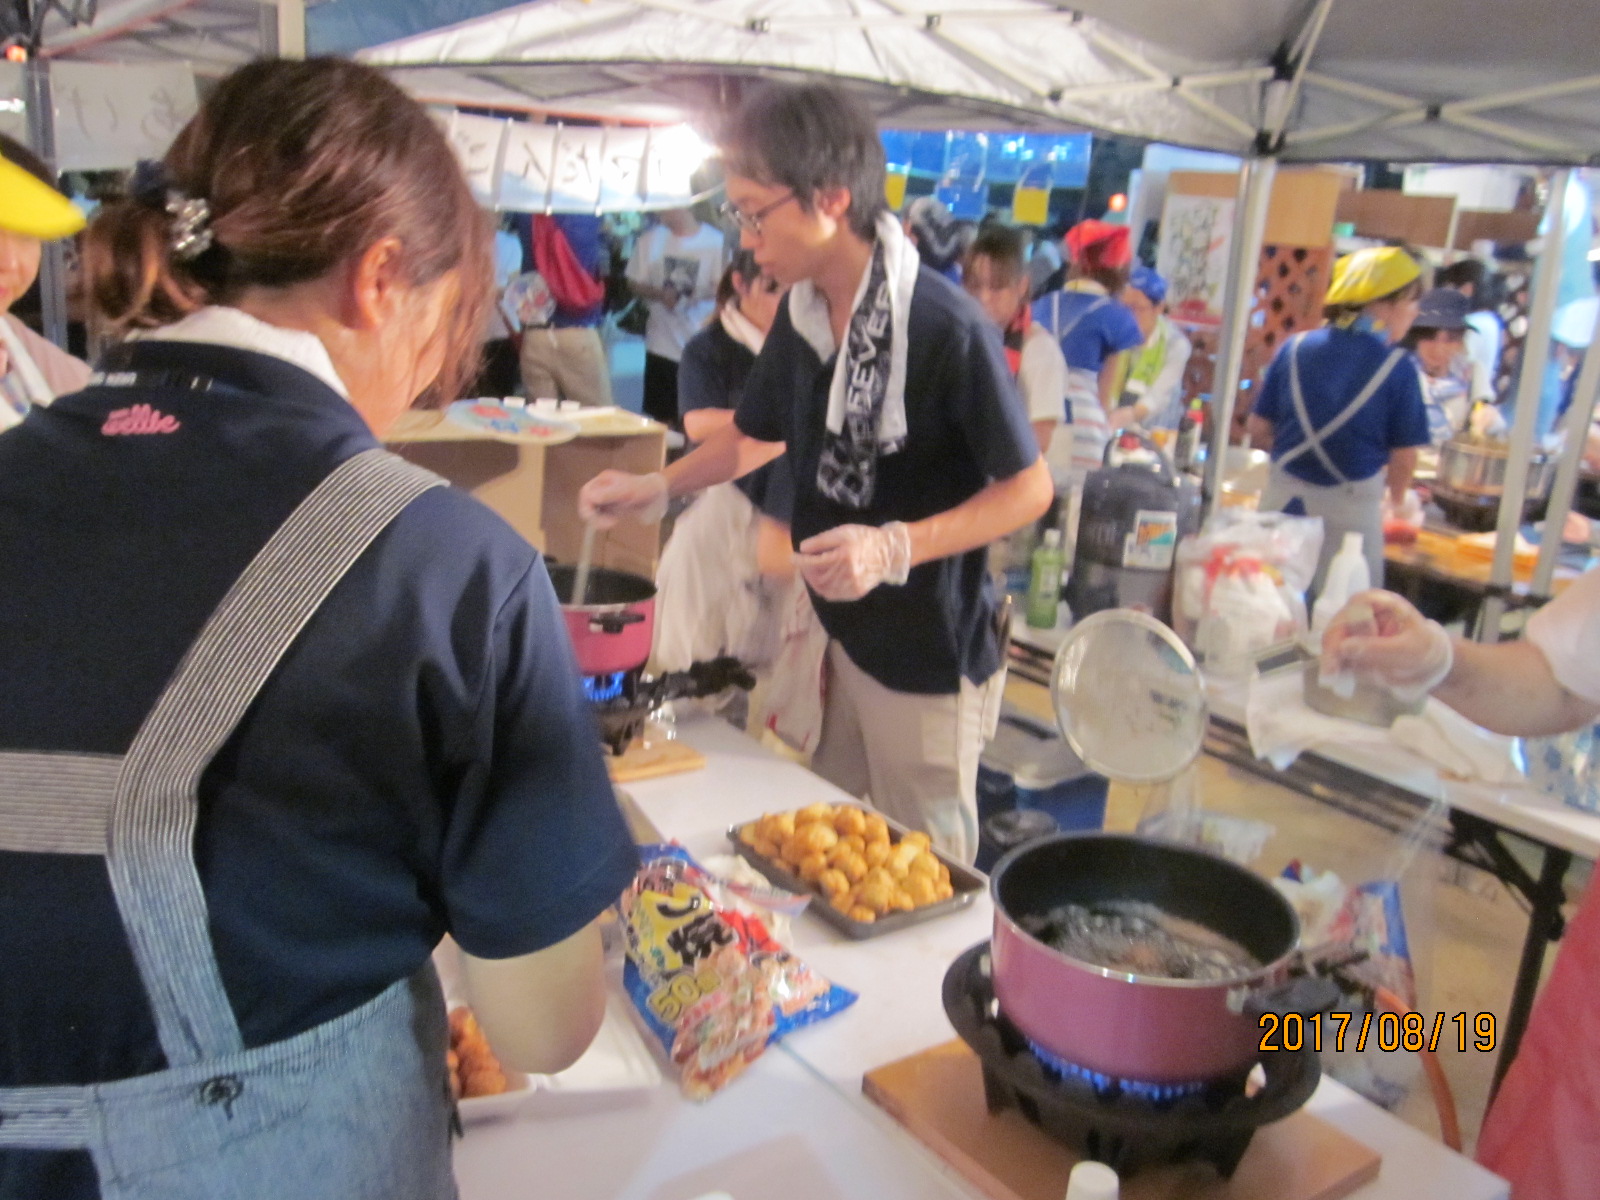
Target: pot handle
x,y
1308,995
613,622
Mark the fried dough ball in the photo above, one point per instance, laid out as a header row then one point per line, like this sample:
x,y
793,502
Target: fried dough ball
x,y
833,883
917,838
766,849
900,859
813,813
921,889
876,894
750,831
876,853
854,867
924,864
811,867
849,820
877,829
813,838
861,913
945,890
775,827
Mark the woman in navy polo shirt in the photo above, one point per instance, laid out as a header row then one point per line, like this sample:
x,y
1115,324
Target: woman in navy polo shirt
x,y
280,710
1341,409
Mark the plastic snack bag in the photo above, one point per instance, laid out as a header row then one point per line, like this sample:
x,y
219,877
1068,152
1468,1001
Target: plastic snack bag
x,y
707,976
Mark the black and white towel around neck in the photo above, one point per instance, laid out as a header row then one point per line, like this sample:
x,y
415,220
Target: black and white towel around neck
x,y
867,397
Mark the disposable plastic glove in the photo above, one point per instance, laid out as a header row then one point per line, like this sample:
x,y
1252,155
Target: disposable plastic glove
x,y
1409,511
1380,637
847,562
612,495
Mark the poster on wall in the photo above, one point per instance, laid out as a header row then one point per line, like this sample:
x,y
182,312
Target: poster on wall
x,y
109,116
1193,255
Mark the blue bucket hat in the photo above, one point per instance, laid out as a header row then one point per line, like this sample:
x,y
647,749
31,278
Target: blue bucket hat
x,y
1149,282
1442,308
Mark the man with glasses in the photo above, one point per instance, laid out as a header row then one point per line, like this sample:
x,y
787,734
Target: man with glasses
x,y
674,270
889,390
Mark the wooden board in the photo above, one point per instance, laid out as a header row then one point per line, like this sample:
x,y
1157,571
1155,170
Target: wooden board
x,y
653,755
937,1095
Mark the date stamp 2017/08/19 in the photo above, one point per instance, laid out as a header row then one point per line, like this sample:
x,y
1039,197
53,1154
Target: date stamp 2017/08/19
x,y
1339,1031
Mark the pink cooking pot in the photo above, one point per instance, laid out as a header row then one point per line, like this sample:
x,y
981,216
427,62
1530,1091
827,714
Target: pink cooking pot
x,y
1143,1027
611,630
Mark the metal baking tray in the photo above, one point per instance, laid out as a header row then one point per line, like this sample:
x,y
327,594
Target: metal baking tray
x,y
966,881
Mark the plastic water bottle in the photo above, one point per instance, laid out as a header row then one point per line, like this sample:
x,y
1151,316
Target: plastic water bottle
x,y
1092,1181
1347,574
1044,583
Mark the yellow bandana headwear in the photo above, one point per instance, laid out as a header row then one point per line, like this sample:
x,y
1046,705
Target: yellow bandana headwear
x,y
32,208
1369,275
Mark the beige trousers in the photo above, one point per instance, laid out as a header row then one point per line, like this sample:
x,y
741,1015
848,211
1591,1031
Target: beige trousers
x,y
566,364
914,757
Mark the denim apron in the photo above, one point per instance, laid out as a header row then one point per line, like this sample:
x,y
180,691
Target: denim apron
x,y
1346,505
357,1108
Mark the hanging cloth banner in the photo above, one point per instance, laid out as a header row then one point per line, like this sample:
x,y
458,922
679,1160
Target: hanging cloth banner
x,y
522,167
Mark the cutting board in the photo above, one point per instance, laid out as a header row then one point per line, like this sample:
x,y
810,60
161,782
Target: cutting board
x,y
937,1094
651,755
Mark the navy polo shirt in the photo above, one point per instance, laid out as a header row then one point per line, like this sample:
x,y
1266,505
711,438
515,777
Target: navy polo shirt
x,y
421,761
1335,365
712,374
966,428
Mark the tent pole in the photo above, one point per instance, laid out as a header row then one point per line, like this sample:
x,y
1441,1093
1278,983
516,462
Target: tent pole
x,y
1244,263
1574,434
52,259
291,28
1530,381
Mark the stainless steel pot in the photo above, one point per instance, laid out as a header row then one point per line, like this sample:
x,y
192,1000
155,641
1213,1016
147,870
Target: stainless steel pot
x,y
1479,469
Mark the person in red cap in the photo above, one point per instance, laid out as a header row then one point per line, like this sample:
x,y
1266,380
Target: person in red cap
x,y
1095,330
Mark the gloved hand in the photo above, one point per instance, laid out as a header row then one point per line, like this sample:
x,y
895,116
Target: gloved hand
x,y
1380,637
847,562
1408,512
612,495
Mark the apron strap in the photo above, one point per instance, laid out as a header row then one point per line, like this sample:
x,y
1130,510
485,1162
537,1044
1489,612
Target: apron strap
x,y
1315,438
1055,314
151,847
56,803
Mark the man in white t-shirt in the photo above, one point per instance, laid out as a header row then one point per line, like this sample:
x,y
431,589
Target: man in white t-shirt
x,y
1540,1130
995,275
674,270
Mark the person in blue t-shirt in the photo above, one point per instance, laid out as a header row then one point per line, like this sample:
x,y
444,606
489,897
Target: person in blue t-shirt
x,y
280,710
1341,411
888,390
1095,330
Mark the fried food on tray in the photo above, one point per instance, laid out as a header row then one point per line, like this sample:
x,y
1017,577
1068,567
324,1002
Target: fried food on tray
x,y
474,1070
852,859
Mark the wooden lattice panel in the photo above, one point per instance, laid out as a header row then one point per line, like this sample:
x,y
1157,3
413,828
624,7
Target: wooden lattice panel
x,y
1290,285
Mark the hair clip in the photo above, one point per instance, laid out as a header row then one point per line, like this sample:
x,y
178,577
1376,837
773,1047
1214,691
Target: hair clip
x,y
191,225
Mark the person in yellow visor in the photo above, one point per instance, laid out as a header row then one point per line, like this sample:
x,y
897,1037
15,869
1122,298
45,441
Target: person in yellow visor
x,y
32,212
1341,411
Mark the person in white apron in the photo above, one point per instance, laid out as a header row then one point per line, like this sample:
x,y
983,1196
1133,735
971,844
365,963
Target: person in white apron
x,y
281,709
1341,409
716,592
1094,330
32,371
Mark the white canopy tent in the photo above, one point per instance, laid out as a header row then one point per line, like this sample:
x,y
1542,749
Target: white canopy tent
x,y
1267,80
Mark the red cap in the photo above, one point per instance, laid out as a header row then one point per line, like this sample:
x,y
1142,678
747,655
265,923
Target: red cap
x,y
1099,244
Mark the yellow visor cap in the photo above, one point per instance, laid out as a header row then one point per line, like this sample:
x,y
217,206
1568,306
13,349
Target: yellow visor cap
x,y
32,208
1369,275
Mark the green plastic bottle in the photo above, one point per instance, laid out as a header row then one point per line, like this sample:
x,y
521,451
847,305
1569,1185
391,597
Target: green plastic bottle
x,y
1044,584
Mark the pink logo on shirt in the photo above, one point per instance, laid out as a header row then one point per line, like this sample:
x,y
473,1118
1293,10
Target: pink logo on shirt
x,y
141,418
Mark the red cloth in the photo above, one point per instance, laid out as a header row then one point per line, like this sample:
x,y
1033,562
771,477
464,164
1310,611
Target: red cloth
x,y
1013,337
1543,1130
575,290
1095,244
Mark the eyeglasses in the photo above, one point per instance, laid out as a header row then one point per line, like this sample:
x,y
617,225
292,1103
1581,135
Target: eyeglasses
x,y
752,221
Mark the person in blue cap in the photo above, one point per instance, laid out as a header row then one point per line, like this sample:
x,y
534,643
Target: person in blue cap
x,y
1452,381
1151,381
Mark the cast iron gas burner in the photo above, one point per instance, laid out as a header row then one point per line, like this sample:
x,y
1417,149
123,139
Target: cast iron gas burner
x,y
624,700
1126,1124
